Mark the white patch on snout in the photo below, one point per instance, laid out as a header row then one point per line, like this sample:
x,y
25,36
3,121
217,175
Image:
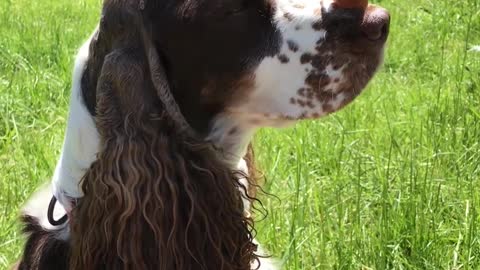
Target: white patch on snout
x,y
274,99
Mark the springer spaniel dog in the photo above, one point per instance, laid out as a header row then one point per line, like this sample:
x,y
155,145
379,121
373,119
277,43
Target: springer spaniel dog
x,y
167,94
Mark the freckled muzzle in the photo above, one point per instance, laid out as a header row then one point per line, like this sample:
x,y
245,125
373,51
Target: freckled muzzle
x,y
356,33
329,51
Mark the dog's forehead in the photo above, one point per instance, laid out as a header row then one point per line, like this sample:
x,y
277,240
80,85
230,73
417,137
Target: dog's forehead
x,y
225,35
213,9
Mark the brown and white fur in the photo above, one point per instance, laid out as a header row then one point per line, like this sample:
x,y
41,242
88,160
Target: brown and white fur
x,y
233,66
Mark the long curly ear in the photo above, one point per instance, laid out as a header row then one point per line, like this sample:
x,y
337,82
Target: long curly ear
x,y
156,197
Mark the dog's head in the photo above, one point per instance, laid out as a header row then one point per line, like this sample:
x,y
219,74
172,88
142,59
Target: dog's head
x,y
267,62
262,62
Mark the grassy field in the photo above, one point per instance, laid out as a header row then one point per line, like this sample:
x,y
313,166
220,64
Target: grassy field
x,y
391,182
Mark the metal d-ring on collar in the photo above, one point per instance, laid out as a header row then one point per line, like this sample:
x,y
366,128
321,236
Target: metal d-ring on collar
x,y
51,219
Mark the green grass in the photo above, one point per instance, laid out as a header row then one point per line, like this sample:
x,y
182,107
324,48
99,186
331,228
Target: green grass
x,y
391,182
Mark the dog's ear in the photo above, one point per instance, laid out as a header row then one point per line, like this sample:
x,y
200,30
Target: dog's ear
x,y
156,197
125,27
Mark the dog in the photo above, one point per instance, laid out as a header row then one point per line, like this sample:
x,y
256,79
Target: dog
x,y
166,97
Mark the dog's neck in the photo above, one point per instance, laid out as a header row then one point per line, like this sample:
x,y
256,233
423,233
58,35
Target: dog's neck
x,y
231,136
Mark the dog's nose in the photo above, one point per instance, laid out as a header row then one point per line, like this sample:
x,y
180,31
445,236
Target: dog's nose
x,y
351,3
376,23
356,21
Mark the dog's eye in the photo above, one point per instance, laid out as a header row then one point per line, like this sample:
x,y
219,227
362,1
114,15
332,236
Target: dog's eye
x,y
236,11
243,7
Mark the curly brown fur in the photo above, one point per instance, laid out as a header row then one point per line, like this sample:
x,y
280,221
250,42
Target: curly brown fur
x,y
154,198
